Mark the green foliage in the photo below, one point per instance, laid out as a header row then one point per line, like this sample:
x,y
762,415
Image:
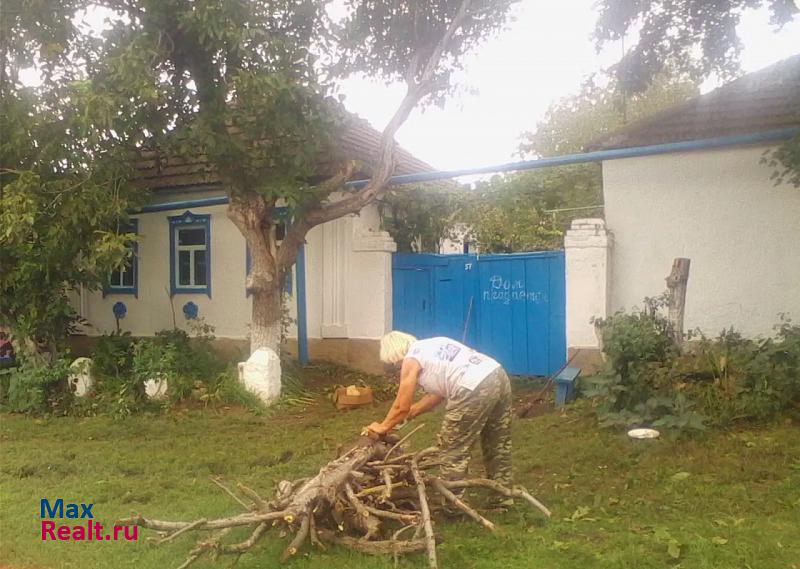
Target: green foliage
x,y
189,365
55,236
505,216
510,213
689,36
38,388
113,355
599,108
381,38
786,161
63,186
738,378
228,390
649,380
638,338
419,219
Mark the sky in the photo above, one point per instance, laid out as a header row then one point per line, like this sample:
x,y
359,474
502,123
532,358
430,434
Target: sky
x,y
511,81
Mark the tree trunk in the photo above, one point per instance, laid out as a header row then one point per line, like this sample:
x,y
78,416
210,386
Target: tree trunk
x,y
252,214
265,322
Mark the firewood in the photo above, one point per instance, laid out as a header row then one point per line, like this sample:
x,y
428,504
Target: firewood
x,y
366,499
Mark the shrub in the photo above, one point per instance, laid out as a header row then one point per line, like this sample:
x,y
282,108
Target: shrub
x,y
122,365
746,379
113,355
39,388
649,380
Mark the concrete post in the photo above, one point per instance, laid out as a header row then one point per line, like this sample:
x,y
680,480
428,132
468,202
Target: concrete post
x,y
587,249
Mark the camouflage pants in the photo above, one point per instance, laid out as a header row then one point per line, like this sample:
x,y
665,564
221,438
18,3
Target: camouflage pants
x,y
483,413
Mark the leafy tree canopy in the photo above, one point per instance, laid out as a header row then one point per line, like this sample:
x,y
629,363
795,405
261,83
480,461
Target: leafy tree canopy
x,y
247,86
63,184
508,213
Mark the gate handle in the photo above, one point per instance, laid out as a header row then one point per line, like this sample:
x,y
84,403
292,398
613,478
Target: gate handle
x,y
423,304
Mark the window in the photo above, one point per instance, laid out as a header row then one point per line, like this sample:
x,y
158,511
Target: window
x,y
124,280
190,253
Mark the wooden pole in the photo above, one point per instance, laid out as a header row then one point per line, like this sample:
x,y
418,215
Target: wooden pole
x,y
676,285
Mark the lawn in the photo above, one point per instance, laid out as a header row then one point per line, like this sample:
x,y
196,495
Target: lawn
x,y
726,500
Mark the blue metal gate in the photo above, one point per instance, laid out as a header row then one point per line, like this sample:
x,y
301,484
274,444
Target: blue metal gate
x,y
511,307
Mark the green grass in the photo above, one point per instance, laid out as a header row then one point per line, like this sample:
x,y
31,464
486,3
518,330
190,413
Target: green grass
x,y
617,503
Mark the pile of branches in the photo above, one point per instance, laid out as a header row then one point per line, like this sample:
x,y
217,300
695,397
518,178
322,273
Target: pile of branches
x,y
373,498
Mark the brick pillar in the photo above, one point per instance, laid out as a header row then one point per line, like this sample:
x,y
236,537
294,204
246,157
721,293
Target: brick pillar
x,y
587,250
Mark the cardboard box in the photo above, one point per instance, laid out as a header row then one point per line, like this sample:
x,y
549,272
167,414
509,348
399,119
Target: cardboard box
x,y
352,397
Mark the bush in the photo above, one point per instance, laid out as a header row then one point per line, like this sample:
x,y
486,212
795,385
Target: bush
x,y
649,380
113,355
123,364
39,388
739,379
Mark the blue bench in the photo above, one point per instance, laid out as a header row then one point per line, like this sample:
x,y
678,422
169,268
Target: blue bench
x,y
565,385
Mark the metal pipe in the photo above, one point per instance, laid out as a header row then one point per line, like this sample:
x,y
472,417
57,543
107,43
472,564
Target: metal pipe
x,y
596,156
302,329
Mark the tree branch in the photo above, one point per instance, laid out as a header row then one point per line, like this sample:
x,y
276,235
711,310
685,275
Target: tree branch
x,y
416,91
297,231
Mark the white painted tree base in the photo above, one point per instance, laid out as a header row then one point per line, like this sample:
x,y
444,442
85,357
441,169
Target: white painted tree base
x,y
156,388
81,380
261,375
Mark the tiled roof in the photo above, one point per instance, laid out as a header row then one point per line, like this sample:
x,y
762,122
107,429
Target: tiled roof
x,y
765,100
358,141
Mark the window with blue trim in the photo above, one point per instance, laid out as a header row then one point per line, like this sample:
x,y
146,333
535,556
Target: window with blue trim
x,y
124,279
190,253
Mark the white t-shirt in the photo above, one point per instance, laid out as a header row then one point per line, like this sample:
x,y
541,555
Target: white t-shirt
x,y
448,365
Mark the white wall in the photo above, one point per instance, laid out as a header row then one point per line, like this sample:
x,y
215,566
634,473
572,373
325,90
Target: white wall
x,y
348,281
720,209
227,309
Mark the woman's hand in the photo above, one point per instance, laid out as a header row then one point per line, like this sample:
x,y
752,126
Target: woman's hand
x,y
377,428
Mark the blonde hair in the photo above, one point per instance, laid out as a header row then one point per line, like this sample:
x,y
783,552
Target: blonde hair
x,y
394,346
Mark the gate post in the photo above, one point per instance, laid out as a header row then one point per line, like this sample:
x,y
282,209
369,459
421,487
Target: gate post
x,y
587,252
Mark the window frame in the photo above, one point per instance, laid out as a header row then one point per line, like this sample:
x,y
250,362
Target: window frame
x,y
110,289
188,220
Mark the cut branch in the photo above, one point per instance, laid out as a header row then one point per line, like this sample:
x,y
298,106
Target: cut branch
x,y
458,503
386,547
298,540
183,530
430,541
230,493
516,492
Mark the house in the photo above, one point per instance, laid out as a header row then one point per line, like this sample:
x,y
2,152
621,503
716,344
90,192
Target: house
x,y
191,262
715,203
